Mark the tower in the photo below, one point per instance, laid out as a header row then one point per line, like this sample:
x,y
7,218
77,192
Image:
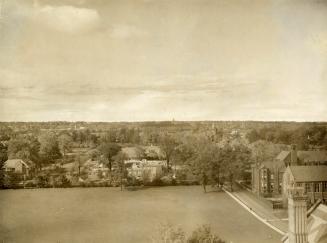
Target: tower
x,y
297,215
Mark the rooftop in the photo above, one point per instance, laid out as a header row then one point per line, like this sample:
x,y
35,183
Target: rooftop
x,y
11,163
305,156
309,173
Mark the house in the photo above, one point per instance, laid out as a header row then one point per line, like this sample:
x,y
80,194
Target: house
x,y
313,180
267,176
141,169
95,170
305,226
17,166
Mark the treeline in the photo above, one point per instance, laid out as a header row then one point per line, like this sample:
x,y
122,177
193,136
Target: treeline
x,y
305,136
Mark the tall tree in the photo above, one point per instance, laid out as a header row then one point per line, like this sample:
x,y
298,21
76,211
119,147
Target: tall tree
x,y
25,148
49,149
3,158
236,159
168,145
109,150
262,151
119,160
65,142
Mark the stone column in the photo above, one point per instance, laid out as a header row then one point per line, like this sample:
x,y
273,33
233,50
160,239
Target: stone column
x,y
297,216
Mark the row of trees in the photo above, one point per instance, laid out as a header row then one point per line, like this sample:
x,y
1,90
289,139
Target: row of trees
x,y
304,136
210,161
202,155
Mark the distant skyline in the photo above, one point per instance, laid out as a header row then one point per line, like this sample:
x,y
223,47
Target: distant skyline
x,y
102,60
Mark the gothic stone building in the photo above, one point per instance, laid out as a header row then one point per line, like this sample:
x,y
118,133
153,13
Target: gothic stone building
x,y
267,176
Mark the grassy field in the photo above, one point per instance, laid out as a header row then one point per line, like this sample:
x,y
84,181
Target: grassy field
x,y
94,215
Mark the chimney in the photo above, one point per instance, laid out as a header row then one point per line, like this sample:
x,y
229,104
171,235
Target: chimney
x,y
297,215
293,155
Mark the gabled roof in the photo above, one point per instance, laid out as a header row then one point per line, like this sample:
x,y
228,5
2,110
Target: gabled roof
x,y
12,163
283,155
309,173
273,164
305,156
312,156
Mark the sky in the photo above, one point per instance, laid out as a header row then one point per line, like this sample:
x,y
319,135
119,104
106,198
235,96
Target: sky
x,y
134,60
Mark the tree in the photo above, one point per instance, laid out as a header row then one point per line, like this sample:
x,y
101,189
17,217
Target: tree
x,y
253,136
3,158
236,159
18,148
109,150
49,149
262,151
205,160
94,154
119,160
25,148
140,152
65,142
168,145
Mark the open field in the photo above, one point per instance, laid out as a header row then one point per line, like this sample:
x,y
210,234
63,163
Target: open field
x,y
94,215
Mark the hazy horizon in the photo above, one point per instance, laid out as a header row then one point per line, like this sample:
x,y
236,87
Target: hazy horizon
x,y
111,61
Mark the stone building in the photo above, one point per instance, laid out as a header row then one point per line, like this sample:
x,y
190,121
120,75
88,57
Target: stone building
x,y
267,176
313,180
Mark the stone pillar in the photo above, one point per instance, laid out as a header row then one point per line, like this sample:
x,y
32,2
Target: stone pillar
x,y
297,215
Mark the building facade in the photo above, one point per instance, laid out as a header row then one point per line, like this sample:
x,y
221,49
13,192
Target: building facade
x,y
17,166
267,176
312,179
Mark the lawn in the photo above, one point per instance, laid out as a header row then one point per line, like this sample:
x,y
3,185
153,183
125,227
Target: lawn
x,y
96,215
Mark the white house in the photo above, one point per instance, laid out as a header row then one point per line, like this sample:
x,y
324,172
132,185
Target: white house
x,y
17,166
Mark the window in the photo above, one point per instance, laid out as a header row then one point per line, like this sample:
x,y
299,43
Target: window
x,y
10,169
307,187
324,186
316,187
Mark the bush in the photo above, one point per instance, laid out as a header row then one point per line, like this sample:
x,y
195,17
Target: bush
x,y
133,181
168,180
169,234
156,182
11,180
63,182
41,181
203,234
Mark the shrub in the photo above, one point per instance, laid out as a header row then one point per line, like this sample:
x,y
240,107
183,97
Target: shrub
x,y
169,234
133,181
166,180
41,181
11,180
203,234
64,182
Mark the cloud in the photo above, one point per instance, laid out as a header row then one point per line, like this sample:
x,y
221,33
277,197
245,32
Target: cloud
x,y
123,31
67,18
319,42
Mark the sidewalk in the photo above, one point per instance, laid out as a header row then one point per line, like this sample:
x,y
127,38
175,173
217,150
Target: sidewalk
x,y
275,217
